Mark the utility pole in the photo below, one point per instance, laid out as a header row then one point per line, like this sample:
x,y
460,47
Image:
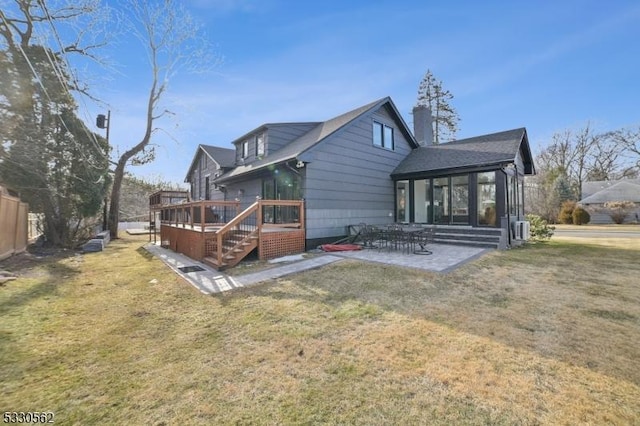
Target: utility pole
x,y
104,123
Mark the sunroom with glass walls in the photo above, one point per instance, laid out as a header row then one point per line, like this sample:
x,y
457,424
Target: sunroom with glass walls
x,y
469,199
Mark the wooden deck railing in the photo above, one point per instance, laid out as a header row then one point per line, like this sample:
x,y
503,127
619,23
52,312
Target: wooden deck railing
x,y
282,213
199,213
226,234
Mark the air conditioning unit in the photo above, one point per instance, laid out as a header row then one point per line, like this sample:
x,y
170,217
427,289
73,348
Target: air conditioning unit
x,y
522,230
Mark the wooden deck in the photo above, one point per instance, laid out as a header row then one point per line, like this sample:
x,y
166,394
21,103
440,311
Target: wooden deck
x,y
218,233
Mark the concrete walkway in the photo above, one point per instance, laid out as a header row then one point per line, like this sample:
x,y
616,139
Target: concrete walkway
x,y
210,281
445,258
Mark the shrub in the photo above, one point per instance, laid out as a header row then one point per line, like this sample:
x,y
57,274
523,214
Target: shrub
x,y
618,210
580,216
539,228
566,212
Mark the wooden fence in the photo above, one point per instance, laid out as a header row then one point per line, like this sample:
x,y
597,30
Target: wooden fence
x,y
13,225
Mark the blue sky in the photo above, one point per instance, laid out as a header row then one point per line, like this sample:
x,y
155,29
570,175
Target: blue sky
x,y
545,65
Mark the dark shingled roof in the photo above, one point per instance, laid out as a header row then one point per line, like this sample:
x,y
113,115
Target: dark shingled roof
x,y
480,151
225,157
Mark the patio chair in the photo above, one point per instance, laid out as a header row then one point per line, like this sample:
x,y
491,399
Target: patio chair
x,y
384,239
423,239
368,234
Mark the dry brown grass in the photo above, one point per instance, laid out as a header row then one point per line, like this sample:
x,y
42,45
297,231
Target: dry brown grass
x,y
612,227
544,334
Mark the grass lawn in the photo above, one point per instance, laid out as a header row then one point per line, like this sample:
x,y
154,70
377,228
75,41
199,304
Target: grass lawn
x,y
543,334
627,227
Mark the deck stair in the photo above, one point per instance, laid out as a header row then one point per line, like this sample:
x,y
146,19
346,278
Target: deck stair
x,y
236,239
468,236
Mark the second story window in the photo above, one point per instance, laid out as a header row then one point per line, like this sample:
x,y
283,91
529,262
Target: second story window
x,y
260,145
245,149
383,136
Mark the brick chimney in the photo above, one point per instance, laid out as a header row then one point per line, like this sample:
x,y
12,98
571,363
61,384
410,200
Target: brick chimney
x,y
423,125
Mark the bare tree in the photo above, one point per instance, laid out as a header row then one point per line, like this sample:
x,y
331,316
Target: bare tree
x,y
578,156
172,40
582,155
630,140
432,95
606,160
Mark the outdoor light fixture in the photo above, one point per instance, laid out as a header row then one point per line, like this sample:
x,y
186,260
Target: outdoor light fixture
x,y
104,123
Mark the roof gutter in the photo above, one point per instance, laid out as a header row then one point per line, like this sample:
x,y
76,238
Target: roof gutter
x,y
448,171
222,180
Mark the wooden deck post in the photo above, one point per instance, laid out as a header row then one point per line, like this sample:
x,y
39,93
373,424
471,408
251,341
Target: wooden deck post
x,y
301,214
202,221
219,247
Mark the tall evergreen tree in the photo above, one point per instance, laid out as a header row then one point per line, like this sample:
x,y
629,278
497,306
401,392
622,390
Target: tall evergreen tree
x,y
49,156
445,117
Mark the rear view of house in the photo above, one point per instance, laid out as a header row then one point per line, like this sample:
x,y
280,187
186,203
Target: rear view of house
x,y
340,167
367,166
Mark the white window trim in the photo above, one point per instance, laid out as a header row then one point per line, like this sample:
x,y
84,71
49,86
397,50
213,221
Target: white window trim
x,y
244,149
258,153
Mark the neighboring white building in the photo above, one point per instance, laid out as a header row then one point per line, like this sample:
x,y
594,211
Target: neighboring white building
x,y
595,194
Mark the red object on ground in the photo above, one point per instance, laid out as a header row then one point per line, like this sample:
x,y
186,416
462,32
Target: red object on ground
x,y
340,247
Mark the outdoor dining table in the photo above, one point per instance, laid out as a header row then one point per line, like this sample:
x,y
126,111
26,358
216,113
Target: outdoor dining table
x,y
406,237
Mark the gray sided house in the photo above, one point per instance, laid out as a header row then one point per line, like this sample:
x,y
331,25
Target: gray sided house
x,y
367,166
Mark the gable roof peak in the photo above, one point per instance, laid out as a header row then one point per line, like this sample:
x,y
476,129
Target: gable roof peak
x,y
225,157
317,134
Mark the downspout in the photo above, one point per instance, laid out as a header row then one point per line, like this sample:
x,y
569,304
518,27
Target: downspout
x,y
303,199
507,206
515,168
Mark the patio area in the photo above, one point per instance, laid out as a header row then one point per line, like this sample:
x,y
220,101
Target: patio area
x,y
443,257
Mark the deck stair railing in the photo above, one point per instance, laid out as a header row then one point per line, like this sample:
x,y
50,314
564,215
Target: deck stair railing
x,y
238,237
235,239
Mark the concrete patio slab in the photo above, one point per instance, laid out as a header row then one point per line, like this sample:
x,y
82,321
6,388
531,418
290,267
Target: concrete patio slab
x,y
444,257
